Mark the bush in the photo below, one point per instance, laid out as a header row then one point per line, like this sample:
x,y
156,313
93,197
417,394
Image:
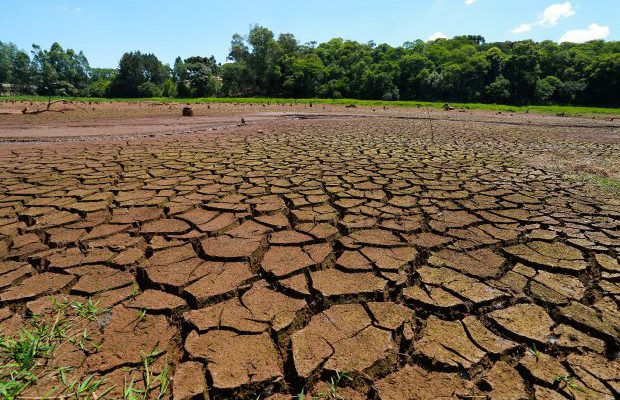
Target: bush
x,y
170,89
391,95
149,89
498,91
99,88
546,88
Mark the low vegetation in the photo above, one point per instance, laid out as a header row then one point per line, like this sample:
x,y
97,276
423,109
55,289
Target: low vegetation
x,y
551,110
332,388
25,357
568,382
32,354
608,182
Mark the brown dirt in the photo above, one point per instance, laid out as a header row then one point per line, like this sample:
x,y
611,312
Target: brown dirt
x,y
310,241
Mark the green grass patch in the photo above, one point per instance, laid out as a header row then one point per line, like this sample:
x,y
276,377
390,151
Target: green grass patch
x,y
27,357
24,357
552,109
604,181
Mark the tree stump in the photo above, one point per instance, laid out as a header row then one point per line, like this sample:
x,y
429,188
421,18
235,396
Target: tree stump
x,y
188,112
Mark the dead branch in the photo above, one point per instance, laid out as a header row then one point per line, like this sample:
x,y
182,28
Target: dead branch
x,y
50,103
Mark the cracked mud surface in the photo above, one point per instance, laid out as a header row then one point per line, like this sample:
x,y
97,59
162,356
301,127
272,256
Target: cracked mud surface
x,y
271,256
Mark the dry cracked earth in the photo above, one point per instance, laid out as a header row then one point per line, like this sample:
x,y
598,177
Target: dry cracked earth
x,y
268,257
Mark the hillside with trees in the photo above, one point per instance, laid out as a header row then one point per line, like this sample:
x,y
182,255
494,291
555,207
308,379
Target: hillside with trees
x,y
461,69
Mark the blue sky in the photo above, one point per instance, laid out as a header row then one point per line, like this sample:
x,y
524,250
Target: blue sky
x,y
106,29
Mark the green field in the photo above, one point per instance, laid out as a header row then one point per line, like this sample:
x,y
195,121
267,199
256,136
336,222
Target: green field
x,y
551,109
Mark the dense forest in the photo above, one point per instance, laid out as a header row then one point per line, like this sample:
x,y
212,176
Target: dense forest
x,y
464,69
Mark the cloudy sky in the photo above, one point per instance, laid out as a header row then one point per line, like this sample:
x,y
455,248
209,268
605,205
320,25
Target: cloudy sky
x,y
106,29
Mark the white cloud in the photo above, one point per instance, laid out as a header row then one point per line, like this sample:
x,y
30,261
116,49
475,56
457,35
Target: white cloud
x,y
593,32
549,17
66,9
469,2
522,28
436,35
554,12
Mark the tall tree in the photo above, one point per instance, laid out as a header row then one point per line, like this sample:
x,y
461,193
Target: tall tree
x,y
60,72
522,69
604,79
139,75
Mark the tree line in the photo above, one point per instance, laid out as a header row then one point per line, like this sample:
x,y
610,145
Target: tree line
x,y
463,69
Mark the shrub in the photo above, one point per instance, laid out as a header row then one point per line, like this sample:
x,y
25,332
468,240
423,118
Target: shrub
x,y
149,89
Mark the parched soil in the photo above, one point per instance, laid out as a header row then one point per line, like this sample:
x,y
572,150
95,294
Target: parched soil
x,y
427,259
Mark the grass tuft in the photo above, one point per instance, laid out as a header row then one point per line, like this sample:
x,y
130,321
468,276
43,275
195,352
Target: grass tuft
x,y
534,351
608,182
568,382
153,383
334,383
24,357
